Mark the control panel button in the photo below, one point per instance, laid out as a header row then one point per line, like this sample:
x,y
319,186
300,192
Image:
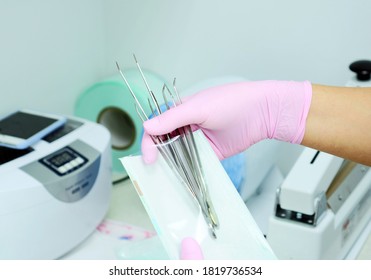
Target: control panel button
x,y
68,166
74,163
79,160
64,161
62,170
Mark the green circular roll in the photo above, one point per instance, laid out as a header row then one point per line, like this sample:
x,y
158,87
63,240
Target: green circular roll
x,y
110,103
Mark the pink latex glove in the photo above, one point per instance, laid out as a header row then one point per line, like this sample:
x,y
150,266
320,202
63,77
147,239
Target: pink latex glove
x,y
235,116
190,250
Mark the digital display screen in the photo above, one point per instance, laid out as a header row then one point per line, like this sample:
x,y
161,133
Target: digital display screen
x,y
24,125
61,159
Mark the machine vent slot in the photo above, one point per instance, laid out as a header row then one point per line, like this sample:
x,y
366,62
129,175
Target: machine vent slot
x,y
8,154
315,157
68,127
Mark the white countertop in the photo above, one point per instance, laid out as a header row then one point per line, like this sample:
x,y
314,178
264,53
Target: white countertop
x,y
127,232
125,226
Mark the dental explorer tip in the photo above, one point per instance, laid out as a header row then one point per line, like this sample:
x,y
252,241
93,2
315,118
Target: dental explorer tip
x,y
118,66
213,234
135,58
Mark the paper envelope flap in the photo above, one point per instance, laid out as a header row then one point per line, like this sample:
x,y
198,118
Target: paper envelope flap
x,y
175,215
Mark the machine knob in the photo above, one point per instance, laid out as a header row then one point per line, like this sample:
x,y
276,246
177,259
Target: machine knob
x,y
362,68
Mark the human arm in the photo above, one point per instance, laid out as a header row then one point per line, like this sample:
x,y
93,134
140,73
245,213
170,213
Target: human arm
x,y
336,120
339,122
233,117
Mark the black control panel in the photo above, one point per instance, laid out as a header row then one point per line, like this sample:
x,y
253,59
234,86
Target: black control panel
x,y
64,161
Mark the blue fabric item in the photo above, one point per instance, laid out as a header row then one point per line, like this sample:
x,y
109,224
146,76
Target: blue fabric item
x,y
235,166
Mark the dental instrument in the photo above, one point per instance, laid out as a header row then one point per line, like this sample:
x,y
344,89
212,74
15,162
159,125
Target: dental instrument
x,y
178,149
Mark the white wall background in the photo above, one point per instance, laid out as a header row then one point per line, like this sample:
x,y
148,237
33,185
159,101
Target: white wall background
x,y
266,39
50,51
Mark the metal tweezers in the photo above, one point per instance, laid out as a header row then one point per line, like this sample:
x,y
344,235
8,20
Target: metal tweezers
x,y
179,149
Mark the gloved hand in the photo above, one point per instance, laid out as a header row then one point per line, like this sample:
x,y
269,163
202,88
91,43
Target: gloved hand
x,y
235,116
190,250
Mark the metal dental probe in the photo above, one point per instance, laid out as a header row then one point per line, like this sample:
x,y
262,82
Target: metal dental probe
x,y
202,191
131,91
181,155
198,168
